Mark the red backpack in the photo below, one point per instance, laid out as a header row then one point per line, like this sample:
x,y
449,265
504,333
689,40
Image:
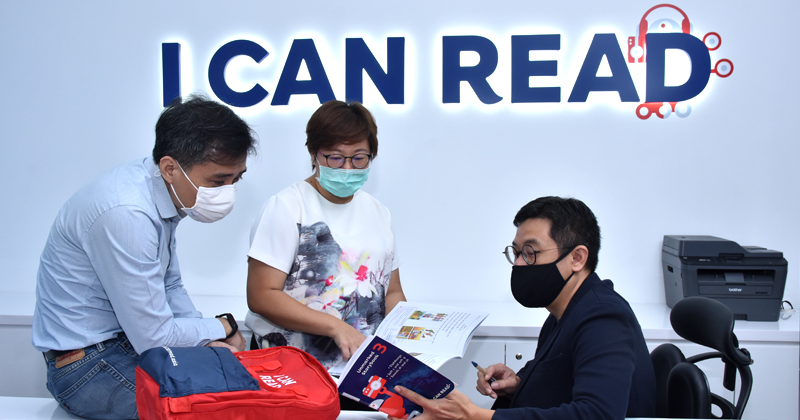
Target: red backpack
x,y
199,383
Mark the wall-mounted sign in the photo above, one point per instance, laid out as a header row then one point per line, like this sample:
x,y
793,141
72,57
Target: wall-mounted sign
x,y
656,34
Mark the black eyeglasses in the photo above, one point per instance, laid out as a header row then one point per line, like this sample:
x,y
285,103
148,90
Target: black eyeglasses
x,y
528,254
336,160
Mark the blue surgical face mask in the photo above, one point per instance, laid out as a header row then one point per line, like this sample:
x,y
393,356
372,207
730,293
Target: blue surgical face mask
x,y
342,182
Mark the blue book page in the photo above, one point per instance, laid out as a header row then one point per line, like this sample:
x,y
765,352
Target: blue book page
x,y
371,375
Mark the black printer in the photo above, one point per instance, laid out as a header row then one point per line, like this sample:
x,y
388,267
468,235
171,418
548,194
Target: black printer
x,y
747,279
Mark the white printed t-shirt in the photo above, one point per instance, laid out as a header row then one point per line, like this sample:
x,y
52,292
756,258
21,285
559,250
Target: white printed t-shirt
x,y
338,257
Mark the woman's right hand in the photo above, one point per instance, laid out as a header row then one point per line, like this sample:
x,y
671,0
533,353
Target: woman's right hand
x,y
265,296
505,381
347,338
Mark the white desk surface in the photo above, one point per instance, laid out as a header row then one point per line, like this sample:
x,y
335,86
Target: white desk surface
x,y
47,408
506,319
32,408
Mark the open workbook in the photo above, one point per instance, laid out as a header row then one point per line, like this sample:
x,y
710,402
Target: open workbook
x,y
410,344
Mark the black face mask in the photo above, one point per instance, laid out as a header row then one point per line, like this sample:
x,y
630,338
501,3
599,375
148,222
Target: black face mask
x,y
537,286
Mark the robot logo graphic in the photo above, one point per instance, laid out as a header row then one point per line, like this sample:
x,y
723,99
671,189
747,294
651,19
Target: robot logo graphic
x,y
663,23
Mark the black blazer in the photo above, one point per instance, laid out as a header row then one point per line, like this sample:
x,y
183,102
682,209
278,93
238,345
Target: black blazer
x,y
591,364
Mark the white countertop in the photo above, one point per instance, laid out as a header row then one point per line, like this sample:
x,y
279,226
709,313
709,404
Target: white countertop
x,y
506,319
48,409
32,408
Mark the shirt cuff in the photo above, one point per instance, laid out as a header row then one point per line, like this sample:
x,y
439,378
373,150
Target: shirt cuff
x,y
215,329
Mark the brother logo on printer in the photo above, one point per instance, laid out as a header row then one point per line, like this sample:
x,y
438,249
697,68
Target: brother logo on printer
x,y
607,66
732,289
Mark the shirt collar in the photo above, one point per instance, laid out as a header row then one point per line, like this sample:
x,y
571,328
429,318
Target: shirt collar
x,y
166,208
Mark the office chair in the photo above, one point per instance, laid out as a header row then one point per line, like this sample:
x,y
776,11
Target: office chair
x,y
664,358
682,388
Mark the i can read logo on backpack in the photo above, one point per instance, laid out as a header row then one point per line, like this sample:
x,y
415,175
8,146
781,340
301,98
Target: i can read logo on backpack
x,y
277,381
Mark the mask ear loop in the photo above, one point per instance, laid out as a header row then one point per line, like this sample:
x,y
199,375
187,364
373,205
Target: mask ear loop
x,y
176,196
187,176
173,187
565,256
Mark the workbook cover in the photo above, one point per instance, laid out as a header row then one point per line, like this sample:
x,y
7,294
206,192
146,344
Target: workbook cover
x,y
375,369
431,333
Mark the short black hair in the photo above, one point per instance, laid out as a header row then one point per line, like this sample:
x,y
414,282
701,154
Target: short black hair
x,y
572,223
199,130
338,122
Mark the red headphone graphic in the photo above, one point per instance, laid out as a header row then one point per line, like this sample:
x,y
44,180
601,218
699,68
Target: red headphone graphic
x,y
636,52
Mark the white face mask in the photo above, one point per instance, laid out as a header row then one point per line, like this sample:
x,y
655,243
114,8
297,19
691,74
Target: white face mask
x,y
211,204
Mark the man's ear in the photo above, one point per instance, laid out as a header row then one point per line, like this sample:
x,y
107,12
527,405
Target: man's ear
x,y
579,257
168,167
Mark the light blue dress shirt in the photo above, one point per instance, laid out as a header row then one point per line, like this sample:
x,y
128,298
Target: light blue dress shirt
x,y
110,266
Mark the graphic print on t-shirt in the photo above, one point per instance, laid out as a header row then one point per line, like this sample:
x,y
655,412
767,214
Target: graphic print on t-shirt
x,y
327,278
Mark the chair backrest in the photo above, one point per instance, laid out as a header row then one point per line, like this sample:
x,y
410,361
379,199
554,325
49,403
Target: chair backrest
x,y
664,358
688,393
709,323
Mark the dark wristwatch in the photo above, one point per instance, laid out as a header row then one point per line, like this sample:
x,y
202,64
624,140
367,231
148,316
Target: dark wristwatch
x,y
231,322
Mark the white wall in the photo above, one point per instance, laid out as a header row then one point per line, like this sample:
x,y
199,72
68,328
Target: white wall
x,y
81,84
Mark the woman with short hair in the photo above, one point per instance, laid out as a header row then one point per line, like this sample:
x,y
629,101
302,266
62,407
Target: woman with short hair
x,y
323,268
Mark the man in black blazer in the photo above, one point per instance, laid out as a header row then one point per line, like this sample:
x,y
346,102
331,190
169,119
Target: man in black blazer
x,y
591,360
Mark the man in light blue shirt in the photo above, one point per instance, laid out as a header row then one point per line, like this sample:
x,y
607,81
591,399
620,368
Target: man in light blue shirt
x,y
109,284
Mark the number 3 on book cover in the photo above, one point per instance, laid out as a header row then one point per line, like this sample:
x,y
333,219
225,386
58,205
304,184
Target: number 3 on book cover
x,y
373,374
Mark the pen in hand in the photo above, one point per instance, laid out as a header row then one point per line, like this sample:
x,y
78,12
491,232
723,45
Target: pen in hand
x,y
480,369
